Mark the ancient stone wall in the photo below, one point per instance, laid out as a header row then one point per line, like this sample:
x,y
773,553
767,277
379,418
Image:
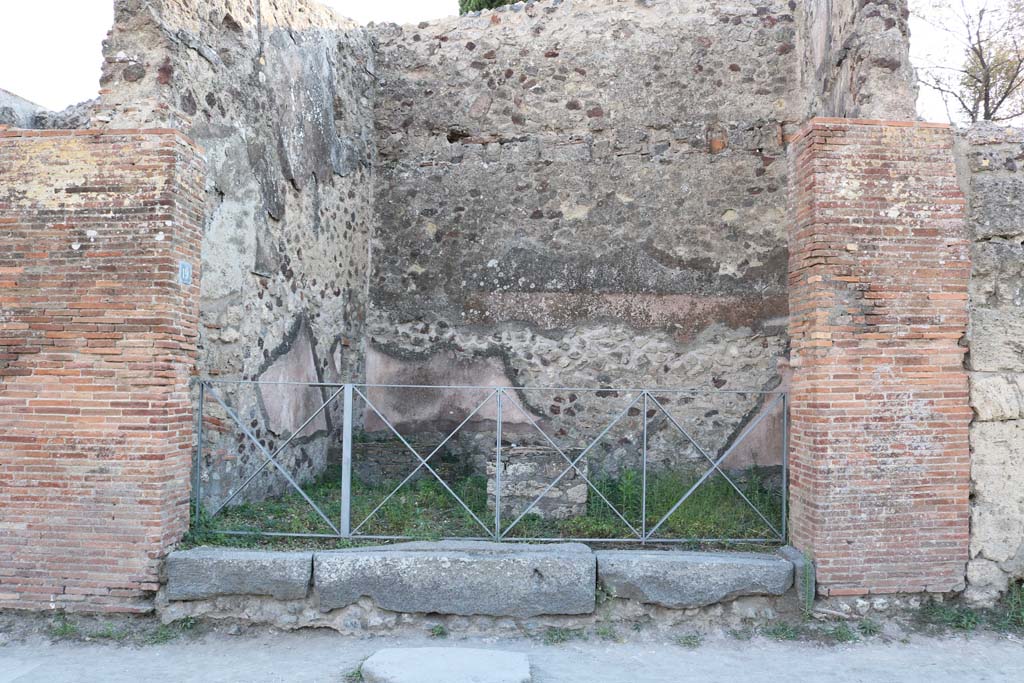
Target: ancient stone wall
x,y
992,174
586,193
855,59
97,345
280,95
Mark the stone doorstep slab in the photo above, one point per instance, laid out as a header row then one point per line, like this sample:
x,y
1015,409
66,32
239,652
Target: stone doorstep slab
x,y
208,572
466,578
447,664
682,580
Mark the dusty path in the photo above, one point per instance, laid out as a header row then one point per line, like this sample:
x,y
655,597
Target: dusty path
x,y
326,656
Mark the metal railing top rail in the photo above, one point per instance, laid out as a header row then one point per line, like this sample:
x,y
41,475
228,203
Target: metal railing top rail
x,y
641,532
364,385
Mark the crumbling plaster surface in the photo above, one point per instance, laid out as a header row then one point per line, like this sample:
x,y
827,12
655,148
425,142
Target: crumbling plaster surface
x,y
280,96
991,162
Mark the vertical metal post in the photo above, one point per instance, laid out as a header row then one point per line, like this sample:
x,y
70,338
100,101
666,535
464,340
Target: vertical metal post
x,y
497,471
785,465
346,463
643,486
197,486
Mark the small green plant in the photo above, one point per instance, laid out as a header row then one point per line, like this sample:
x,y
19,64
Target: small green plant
x,y
354,676
62,628
842,633
557,636
111,632
782,630
186,623
438,631
606,632
807,586
1009,614
690,640
869,627
744,633
162,634
466,6
944,615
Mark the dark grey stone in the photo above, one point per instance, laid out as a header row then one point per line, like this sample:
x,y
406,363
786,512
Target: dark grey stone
x,y
460,577
208,572
681,580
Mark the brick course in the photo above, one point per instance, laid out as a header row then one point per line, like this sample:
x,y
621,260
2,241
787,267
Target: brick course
x,y
97,343
879,270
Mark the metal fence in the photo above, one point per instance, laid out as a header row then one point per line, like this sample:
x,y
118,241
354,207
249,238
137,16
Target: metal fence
x,y
503,405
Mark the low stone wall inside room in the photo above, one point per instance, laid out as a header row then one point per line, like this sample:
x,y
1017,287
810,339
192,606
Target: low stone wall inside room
x,y
97,344
992,174
280,95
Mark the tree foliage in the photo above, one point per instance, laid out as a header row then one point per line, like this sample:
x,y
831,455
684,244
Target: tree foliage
x,y
474,5
988,85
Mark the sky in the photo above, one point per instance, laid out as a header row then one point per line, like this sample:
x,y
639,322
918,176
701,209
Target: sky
x,y
50,49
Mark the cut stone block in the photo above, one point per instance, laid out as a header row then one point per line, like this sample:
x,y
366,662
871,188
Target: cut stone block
x,y
461,577
682,580
448,664
208,572
526,473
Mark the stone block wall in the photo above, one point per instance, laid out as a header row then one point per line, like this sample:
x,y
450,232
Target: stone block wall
x,y
280,95
992,173
97,345
879,268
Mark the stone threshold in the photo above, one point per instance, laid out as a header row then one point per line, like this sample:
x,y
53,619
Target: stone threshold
x,y
475,578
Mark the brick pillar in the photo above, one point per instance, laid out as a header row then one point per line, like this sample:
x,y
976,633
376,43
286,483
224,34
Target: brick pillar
x,y
878,278
97,343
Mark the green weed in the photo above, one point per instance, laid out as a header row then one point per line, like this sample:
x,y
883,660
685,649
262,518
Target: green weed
x,y
557,636
606,632
62,628
842,633
782,630
741,633
946,615
690,640
438,631
869,627
111,632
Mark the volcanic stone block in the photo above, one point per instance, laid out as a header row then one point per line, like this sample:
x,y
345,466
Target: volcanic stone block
x,y
691,579
208,572
460,577
448,664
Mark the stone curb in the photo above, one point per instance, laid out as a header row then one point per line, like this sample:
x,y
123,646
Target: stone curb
x,y
209,572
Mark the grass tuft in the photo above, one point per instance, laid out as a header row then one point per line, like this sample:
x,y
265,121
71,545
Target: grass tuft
x,y
869,627
842,633
558,636
782,630
690,640
948,616
62,628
